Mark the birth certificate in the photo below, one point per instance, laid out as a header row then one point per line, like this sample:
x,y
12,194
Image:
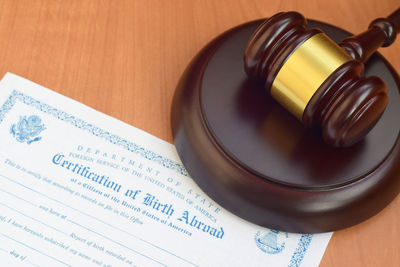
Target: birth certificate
x,y
79,188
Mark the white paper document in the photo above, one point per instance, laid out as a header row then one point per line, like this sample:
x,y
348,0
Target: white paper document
x,y
79,188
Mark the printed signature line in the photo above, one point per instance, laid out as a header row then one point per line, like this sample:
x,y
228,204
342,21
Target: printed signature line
x,y
99,220
11,194
45,224
38,251
31,263
122,245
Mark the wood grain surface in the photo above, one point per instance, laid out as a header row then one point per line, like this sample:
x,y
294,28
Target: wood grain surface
x,y
124,58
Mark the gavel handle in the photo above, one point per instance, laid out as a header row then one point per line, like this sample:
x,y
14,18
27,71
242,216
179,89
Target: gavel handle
x,y
381,32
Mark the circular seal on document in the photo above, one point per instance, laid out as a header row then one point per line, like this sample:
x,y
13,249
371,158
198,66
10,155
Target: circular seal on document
x,y
271,242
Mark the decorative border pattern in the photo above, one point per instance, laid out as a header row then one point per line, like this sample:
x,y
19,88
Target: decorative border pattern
x,y
15,96
301,250
96,131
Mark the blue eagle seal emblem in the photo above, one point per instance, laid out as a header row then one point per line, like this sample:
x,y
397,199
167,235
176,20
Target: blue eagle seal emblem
x,y
27,129
272,242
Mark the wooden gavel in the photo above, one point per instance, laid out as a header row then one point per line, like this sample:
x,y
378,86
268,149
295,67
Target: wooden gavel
x,y
318,80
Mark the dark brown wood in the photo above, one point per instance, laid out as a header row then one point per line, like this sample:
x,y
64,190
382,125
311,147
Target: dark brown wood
x,y
345,106
381,32
273,42
259,162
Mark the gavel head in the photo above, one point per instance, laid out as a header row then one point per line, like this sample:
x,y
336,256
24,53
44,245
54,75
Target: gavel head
x,y
315,79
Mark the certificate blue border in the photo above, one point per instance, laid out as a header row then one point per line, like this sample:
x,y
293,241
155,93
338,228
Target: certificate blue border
x,y
92,129
15,96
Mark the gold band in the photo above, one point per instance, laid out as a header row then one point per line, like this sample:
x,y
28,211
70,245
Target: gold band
x,y
304,72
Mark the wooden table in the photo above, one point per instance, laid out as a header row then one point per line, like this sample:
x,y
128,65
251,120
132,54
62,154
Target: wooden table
x,y
124,58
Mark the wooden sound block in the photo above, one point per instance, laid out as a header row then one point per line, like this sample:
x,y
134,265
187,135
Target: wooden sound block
x,y
259,162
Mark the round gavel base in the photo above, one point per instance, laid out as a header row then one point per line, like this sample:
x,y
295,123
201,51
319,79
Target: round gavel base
x,y
256,160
